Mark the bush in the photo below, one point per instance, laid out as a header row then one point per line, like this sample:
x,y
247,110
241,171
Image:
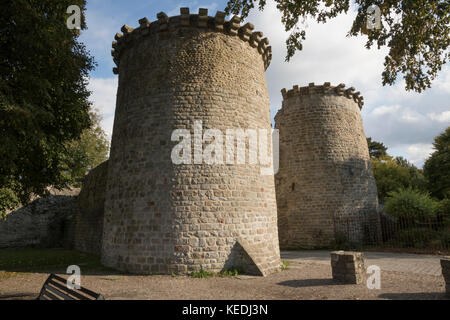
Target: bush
x,y
416,237
443,210
410,204
444,238
8,201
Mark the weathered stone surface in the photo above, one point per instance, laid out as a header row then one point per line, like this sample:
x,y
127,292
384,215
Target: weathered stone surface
x,y
325,186
445,265
90,211
44,222
348,267
161,217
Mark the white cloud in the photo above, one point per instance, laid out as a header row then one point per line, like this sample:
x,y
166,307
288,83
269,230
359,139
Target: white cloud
x,y
404,121
440,117
411,116
416,153
385,110
103,98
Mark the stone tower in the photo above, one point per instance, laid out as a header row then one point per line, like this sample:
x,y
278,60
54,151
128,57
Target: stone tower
x,y
162,217
325,186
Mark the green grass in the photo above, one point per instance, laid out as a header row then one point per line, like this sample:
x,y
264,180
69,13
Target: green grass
x,y
6,275
201,274
39,260
285,265
223,274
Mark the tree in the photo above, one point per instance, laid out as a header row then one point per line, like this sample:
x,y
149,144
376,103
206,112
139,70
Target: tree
x,y
390,175
416,32
87,152
437,167
43,93
377,150
8,201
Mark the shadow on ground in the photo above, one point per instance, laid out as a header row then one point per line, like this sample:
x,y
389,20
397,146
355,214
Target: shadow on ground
x,y
19,296
309,283
415,296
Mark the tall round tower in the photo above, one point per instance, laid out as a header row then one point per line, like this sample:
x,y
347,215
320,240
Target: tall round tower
x,y
188,72
325,187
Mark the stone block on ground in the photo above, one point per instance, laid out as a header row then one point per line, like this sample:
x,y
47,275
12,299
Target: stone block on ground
x,y
445,265
348,267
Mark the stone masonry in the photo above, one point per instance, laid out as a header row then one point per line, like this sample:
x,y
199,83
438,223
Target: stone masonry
x,y
90,210
45,222
325,185
348,267
162,217
445,265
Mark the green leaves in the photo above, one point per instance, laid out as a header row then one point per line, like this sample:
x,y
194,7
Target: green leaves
x,y
437,167
416,32
43,93
377,149
410,204
8,201
87,152
393,174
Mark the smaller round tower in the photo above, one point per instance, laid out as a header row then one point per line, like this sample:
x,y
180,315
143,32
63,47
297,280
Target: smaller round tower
x,y
325,186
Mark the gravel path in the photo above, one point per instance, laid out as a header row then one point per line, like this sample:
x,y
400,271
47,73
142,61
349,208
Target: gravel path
x,y
301,280
398,262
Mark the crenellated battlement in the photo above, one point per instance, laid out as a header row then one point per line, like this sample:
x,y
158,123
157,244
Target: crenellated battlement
x,y
324,89
164,24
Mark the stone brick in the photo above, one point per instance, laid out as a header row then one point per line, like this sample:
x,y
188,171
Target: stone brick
x,y
90,211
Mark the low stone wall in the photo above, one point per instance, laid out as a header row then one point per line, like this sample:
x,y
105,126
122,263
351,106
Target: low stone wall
x,y
44,222
90,209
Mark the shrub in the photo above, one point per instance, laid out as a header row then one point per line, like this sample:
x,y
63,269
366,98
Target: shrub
x,y
8,201
444,238
443,210
410,204
201,274
416,237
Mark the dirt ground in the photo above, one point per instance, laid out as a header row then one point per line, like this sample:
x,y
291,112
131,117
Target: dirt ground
x,y
301,281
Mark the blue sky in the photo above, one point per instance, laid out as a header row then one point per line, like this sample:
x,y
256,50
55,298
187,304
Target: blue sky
x,y
406,122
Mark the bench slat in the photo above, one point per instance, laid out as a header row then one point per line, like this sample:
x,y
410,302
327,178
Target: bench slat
x,y
46,294
84,290
59,293
67,290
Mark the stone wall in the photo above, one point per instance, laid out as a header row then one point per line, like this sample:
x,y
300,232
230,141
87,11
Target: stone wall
x,y
44,222
90,210
161,217
325,185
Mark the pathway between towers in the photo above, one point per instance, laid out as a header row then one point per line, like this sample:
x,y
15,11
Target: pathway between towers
x,y
397,262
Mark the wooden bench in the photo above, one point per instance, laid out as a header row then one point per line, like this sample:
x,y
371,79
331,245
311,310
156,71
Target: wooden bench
x,y
55,288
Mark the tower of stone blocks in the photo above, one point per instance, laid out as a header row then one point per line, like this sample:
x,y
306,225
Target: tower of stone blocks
x,y
162,217
325,185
